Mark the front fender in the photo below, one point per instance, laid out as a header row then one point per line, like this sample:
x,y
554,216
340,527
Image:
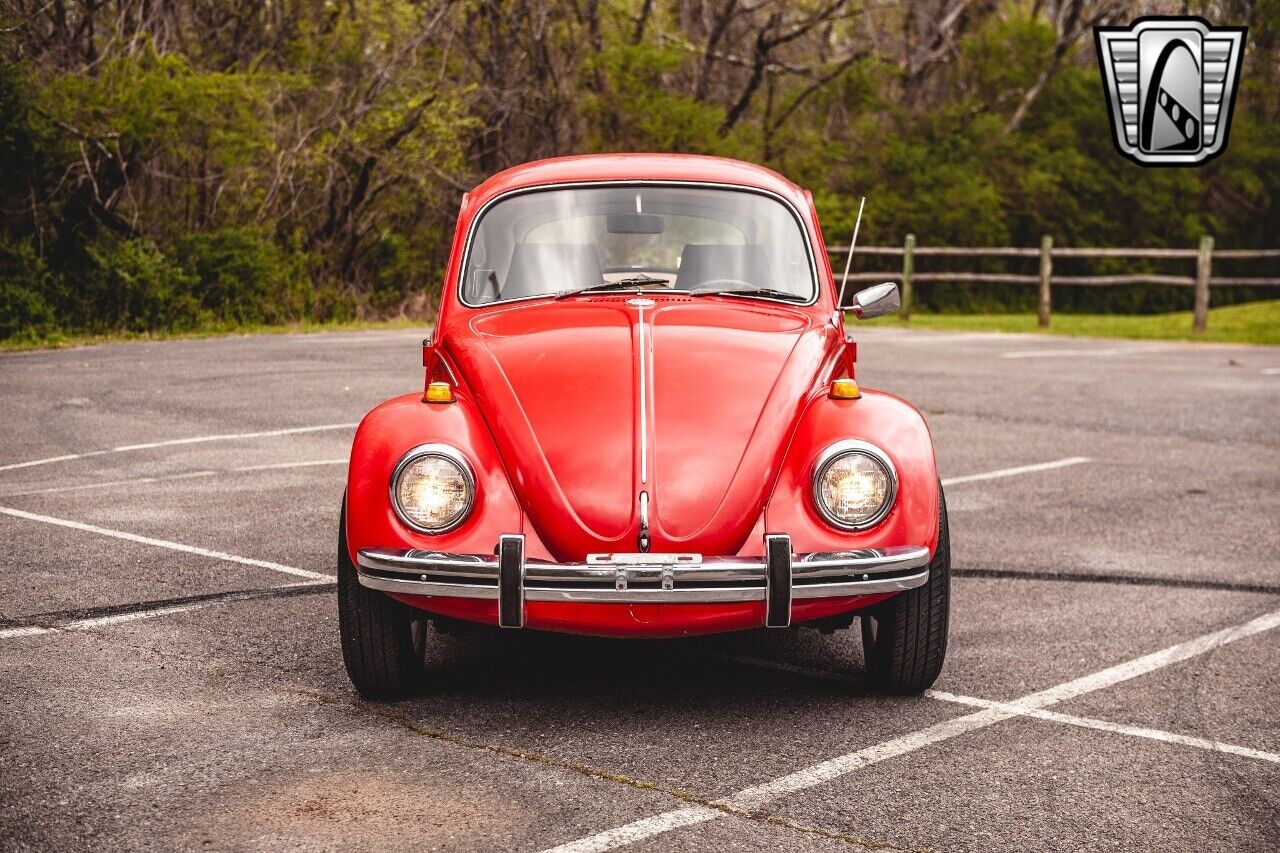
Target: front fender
x,y
893,425
386,434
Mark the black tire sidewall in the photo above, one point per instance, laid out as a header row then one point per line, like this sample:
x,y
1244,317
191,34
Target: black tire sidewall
x,y
375,632
909,648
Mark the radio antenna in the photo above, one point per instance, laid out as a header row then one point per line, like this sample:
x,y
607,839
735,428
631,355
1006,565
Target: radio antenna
x,y
849,260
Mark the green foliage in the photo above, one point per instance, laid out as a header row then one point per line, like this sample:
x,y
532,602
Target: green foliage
x,y
242,276
638,109
1254,323
28,147
159,103
303,162
130,286
951,179
25,315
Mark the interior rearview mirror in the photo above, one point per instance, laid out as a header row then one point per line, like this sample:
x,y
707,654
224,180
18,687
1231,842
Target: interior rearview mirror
x,y
876,301
635,223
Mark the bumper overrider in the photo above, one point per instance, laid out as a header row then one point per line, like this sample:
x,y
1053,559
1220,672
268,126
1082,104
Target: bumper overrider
x,y
776,578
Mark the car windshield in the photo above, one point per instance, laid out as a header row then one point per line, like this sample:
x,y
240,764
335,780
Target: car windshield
x,y
645,237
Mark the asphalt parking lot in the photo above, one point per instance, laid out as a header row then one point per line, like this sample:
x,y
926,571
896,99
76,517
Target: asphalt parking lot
x,y
170,675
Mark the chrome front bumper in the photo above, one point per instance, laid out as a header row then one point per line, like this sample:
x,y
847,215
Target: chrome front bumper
x,y
777,578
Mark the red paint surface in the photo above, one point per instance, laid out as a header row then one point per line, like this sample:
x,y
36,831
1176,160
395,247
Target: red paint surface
x,y
547,414
639,620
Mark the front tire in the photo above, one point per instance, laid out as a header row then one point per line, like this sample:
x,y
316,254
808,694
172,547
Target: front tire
x,y
904,640
383,641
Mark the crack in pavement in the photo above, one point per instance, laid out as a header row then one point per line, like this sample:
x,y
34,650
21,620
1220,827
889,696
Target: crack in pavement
x,y
1124,579
54,619
407,722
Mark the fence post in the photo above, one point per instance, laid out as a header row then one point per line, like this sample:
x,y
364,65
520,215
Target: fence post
x,y
908,266
1203,264
1046,271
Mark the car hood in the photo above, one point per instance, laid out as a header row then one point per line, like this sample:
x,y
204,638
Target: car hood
x,y
581,435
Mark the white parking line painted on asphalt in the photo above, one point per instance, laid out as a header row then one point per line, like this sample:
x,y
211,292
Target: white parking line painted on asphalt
x,y
909,336
756,796
164,478
1087,353
639,830
1013,472
137,481
164,543
1034,713
97,622
278,466
173,442
1107,726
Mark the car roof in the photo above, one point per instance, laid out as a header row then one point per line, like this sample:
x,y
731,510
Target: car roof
x,y
636,167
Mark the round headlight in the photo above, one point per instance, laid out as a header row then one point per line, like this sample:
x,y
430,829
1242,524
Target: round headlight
x,y
854,485
432,488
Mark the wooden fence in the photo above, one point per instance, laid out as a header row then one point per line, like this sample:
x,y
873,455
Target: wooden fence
x,y
1201,281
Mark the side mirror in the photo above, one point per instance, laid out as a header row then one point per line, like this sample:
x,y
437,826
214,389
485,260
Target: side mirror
x,y
875,301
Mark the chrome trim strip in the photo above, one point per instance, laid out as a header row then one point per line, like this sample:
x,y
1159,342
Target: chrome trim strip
x,y
573,573
647,567
831,590
604,595
872,561
669,578
568,185
485,568
416,562
444,451
642,387
844,448
644,523
663,559
407,586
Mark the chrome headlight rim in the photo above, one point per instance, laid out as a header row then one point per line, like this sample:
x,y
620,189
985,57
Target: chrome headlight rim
x,y
850,447
448,453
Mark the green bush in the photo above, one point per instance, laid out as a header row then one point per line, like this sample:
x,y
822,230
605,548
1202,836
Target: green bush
x,y
241,276
335,303
130,286
25,313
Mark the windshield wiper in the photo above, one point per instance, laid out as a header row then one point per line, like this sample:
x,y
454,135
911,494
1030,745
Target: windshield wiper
x,y
751,291
620,284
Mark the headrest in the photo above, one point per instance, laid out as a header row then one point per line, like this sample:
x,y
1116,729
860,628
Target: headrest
x,y
538,268
701,263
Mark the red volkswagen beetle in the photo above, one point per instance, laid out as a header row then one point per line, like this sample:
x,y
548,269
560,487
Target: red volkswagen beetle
x,y
640,419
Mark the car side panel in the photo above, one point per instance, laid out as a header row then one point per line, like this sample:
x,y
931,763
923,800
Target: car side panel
x,y
386,434
893,425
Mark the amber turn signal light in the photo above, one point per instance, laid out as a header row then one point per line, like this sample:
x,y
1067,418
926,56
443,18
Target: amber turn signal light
x,y
845,389
438,392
